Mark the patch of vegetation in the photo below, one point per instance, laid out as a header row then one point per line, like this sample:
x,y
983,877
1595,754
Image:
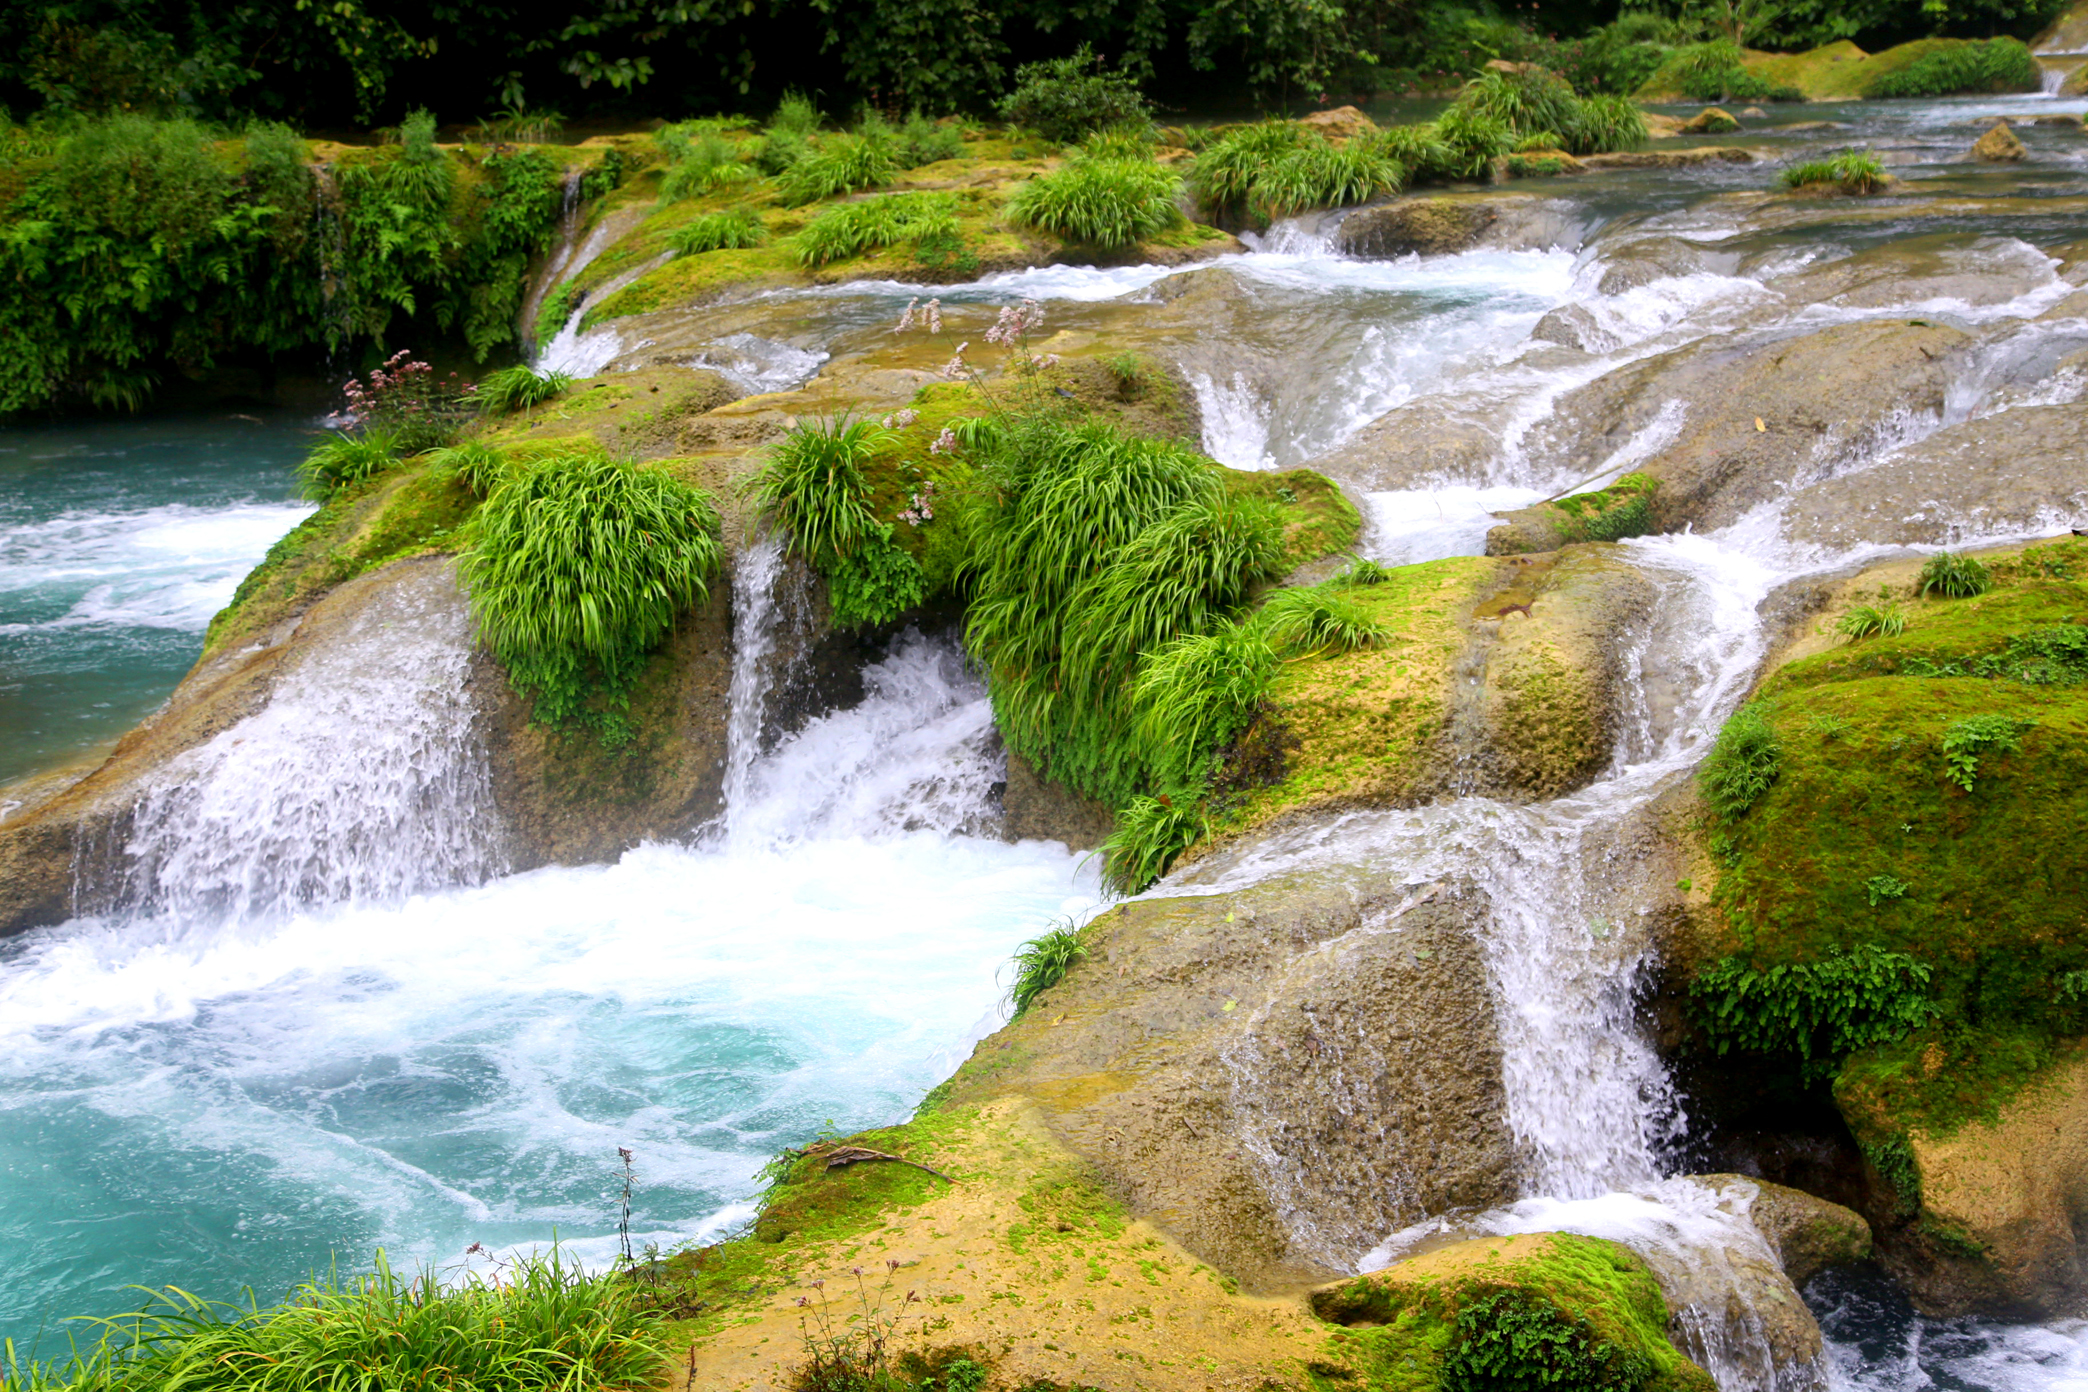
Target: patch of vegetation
x,y
815,488
1743,763
1105,203
1820,1012
847,230
700,161
583,564
838,165
1852,171
733,229
1996,65
1881,620
1278,168
345,461
1537,101
1952,576
1624,509
544,1325
1714,71
1976,737
520,388
1065,99
1517,1341
1042,963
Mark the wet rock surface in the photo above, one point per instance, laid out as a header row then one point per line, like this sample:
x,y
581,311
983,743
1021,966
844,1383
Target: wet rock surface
x,y
1437,224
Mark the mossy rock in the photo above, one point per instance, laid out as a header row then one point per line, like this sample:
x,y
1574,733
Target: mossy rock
x,y
1832,72
1594,1307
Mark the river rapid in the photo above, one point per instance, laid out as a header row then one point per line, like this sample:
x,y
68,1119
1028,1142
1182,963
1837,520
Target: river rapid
x,y
339,1024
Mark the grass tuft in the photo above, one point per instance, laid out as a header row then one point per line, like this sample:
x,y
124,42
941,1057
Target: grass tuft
x,y
813,487
733,229
1042,963
1853,171
838,165
345,461
1149,835
1883,620
872,224
1314,621
478,466
1107,203
519,388
1952,576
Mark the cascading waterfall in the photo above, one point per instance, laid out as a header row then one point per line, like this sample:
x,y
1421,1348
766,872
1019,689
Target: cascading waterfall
x,y
360,781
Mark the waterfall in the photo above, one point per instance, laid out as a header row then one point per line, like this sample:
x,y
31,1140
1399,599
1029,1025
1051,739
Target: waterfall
x,y
361,780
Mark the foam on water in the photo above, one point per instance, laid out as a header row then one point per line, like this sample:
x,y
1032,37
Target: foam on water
x,y
1425,524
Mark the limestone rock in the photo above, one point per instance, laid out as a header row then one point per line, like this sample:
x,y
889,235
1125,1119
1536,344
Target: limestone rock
x,y
1998,146
2019,470
1670,159
1338,124
2075,83
1799,127
1277,1076
1807,1234
1033,808
2064,121
1437,224
1712,120
1661,126
1755,113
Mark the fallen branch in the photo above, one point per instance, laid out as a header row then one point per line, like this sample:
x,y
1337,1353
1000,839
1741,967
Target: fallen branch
x,y
853,1154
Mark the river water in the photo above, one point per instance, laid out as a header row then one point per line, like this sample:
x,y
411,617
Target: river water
x,y
246,1082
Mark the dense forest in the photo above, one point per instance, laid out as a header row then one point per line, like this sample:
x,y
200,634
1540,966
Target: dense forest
x,y
368,62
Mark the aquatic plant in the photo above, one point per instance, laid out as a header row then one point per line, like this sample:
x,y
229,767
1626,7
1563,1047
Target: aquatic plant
x,y
540,1324
1604,123
1224,175
519,388
1107,204
1743,763
1318,174
1853,171
345,460
583,564
1952,576
872,224
731,230
1042,963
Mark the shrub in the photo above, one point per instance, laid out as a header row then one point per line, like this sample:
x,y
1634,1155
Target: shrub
x,y
1542,140
1743,763
1820,1011
701,161
1885,620
871,224
1716,71
797,114
922,141
344,461
1063,99
1992,65
1148,835
874,583
1042,963
1525,102
583,565
1517,1341
1968,740
1854,171
731,230
1952,576
812,486
542,1325
519,388
1107,204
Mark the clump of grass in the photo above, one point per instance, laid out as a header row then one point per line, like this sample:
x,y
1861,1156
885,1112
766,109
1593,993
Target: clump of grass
x,y
872,224
1606,122
1744,762
1131,373
1716,71
1853,171
583,565
477,465
1884,620
1535,99
519,388
813,487
923,141
1952,576
1197,693
1317,620
701,159
1361,570
344,461
1132,142
1420,150
839,164
542,1325
731,230
1042,963
1542,140
1107,204
1277,169
1150,833
1992,65
1474,138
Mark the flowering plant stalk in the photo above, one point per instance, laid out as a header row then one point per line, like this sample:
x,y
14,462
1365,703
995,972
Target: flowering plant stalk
x,y
403,396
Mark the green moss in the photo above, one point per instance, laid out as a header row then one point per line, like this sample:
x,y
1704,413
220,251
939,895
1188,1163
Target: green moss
x,y
1318,518
1411,1328
1624,509
1834,72
1994,878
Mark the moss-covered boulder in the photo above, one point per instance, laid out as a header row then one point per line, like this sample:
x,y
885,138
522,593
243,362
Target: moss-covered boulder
x,y
1899,882
1574,1311
1440,223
